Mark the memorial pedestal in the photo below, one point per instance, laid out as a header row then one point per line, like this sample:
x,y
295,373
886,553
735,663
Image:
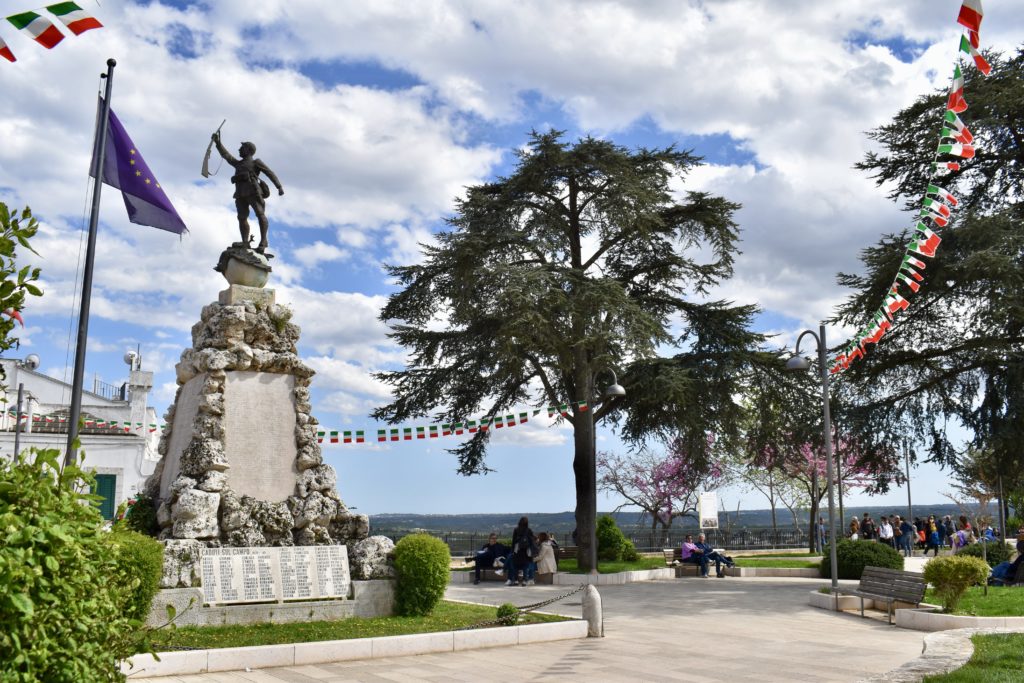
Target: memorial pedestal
x,y
241,466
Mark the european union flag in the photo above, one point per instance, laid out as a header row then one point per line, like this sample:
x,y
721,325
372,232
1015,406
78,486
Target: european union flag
x,y
125,169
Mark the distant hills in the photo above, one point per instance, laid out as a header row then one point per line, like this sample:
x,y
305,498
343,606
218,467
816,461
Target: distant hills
x,y
565,522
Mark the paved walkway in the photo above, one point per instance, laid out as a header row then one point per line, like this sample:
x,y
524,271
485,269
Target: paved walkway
x,y
736,630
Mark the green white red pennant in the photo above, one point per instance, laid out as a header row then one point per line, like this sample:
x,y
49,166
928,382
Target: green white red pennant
x,y
955,139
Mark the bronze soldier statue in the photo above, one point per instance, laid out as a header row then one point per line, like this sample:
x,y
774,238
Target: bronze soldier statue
x,y
250,191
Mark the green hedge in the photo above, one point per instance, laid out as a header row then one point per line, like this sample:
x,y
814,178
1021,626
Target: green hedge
x,y
421,568
853,556
62,595
994,552
140,563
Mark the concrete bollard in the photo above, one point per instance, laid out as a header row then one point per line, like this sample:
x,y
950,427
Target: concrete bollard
x,y
592,612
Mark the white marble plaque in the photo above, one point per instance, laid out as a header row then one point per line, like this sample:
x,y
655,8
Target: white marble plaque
x,y
239,575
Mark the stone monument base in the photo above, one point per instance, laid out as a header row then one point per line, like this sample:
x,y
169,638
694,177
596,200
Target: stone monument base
x,y
368,599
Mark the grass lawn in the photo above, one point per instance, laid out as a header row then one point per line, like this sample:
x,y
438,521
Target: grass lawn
x,y
446,617
1001,601
997,658
608,567
805,553
783,563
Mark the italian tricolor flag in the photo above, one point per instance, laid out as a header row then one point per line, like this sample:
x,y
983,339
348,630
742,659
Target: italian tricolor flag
x,y
895,303
37,28
334,437
433,431
970,15
909,282
956,100
946,195
979,61
954,122
74,17
926,243
940,220
909,261
382,435
5,52
936,206
962,151
948,165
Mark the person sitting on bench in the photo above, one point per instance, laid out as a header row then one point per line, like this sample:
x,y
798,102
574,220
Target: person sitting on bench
x,y
713,556
485,557
692,554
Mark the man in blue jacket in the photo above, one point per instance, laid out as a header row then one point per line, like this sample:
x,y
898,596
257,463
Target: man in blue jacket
x,y
712,555
485,557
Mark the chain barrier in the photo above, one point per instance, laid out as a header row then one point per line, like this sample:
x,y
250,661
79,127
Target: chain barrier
x,y
524,609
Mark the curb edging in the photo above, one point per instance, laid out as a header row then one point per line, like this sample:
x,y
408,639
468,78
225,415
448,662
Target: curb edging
x,y
324,652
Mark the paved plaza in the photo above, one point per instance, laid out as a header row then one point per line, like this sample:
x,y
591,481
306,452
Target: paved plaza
x,y
750,629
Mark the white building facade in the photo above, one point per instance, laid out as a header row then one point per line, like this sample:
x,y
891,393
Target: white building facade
x,y
120,433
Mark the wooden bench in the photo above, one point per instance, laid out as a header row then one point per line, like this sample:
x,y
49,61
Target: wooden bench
x,y
889,586
566,553
674,558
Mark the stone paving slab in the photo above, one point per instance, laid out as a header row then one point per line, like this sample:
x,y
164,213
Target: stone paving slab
x,y
729,630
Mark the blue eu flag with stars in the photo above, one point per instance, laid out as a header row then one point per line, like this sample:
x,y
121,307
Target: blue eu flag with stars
x,y
125,169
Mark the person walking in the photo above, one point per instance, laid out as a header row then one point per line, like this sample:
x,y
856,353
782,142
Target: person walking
x,y
907,537
931,536
854,528
867,528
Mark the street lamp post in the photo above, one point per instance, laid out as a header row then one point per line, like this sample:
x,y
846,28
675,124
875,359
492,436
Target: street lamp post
x,y
797,362
612,390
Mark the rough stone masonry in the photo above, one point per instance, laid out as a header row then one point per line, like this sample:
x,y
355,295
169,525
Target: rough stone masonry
x,y
241,464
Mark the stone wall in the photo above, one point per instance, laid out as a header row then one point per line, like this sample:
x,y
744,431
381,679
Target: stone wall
x,y
241,465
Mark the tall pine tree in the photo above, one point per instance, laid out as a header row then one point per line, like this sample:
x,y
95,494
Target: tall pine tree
x,y
579,262
957,354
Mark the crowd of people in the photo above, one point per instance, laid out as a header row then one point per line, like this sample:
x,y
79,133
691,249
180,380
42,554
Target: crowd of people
x,y
929,534
528,556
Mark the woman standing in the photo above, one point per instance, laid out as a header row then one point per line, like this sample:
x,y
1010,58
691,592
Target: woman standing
x,y
854,528
524,548
932,536
546,563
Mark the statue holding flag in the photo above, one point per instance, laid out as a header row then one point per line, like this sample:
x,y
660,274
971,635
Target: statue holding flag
x,y
251,191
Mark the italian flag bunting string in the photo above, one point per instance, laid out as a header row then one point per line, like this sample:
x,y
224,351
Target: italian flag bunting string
x,y
937,204
45,32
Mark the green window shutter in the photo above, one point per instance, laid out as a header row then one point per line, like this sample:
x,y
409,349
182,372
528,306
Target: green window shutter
x,y
106,486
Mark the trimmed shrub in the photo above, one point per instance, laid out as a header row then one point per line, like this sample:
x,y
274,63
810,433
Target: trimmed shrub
x,y
62,615
610,539
421,568
853,556
952,576
508,614
140,563
629,553
994,552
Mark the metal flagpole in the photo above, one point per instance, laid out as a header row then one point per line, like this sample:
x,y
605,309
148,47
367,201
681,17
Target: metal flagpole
x,y
90,255
17,420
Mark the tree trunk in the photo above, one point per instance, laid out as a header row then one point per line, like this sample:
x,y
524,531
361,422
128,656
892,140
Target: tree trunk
x,y
585,469
813,527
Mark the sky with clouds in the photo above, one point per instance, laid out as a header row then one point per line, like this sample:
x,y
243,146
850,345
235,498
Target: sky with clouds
x,y
377,115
